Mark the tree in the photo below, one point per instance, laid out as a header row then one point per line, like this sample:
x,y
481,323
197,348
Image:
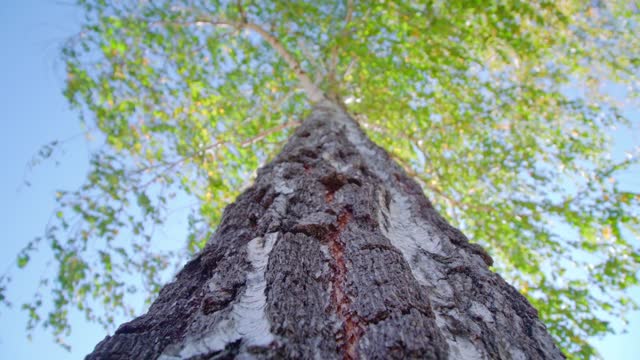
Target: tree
x,y
498,109
335,253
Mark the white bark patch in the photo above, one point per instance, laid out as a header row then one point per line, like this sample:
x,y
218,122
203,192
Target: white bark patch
x,y
280,184
413,237
247,319
517,354
410,233
339,166
462,348
479,310
282,188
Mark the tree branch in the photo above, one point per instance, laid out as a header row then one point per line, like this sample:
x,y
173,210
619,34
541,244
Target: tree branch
x,y
313,92
210,148
333,64
268,132
314,61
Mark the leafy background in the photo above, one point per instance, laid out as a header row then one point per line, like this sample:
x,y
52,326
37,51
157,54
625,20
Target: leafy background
x,y
48,128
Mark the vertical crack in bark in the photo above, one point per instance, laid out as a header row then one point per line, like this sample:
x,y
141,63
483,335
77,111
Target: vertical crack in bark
x,y
352,328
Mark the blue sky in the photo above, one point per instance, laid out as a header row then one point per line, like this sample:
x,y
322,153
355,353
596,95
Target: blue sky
x,y
34,112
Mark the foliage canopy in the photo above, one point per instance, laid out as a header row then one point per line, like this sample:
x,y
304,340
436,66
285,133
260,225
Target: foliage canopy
x,y
500,109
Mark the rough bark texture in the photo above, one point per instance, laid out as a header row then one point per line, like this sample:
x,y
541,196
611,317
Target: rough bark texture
x,y
335,253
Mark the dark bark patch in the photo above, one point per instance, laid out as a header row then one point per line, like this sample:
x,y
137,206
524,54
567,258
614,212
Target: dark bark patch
x,y
131,327
230,351
253,221
268,199
354,181
259,195
479,250
301,156
380,247
220,299
333,182
316,225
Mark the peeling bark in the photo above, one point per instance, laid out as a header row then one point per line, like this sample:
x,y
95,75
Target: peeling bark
x,y
335,253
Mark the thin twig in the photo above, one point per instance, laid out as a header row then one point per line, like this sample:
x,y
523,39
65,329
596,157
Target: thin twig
x,y
244,143
266,133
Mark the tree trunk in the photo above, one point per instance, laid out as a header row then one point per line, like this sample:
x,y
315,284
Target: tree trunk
x,y
335,253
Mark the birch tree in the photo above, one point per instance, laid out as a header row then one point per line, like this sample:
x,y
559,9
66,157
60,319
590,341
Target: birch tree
x,y
500,110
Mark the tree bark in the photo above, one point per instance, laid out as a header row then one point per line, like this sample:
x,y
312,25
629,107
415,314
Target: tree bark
x,y
335,252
